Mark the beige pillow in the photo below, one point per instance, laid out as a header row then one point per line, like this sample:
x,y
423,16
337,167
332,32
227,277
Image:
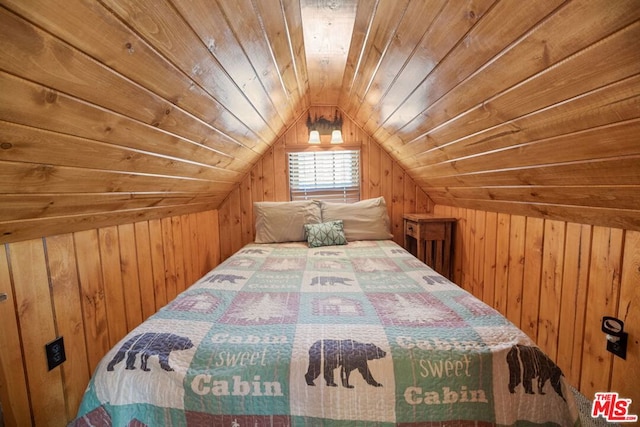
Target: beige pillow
x,y
278,222
364,220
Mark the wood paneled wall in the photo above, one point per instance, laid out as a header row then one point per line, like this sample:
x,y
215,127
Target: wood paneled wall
x,y
556,280
268,181
90,287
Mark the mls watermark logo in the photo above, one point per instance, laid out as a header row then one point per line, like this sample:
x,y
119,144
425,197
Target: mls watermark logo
x,y
612,408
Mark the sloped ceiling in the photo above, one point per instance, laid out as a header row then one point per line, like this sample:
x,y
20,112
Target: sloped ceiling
x,y
124,109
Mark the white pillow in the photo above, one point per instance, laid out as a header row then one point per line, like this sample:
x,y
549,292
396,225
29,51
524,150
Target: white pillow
x,y
364,220
278,222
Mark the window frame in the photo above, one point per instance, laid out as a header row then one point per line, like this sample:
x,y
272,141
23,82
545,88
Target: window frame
x,y
342,147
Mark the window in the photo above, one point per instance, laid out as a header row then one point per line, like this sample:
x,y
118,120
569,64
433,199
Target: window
x,y
333,176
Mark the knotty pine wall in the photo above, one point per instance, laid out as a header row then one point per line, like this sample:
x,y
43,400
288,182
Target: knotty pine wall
x,y
268,181
556,280
91,287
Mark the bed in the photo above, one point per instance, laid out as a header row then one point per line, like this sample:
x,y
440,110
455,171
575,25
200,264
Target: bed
x,y
328,331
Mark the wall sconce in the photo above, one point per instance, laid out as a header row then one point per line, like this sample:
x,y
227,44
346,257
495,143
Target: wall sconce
x,y
322,126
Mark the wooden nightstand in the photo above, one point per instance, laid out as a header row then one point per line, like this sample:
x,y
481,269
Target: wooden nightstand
x,y
429,237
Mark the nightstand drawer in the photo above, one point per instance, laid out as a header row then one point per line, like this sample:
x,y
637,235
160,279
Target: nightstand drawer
x,y
411,229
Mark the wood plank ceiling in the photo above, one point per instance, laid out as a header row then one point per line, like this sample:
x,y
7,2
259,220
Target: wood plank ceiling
x,y
118,110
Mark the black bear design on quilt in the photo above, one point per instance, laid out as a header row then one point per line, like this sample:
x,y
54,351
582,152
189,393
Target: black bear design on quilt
x,y
253,251
150,344
330,280
327,253
220,278
348,354
432,280
526,363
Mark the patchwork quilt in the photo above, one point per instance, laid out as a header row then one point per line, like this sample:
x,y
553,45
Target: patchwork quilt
x,y
352,335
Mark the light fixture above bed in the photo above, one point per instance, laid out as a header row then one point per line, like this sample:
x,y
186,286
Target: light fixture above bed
x,y
322,126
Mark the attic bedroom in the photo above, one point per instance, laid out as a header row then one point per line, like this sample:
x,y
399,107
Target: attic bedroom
x,y
139,138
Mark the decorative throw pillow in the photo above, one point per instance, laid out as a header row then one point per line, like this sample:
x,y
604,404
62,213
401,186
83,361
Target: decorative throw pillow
x,y
325,234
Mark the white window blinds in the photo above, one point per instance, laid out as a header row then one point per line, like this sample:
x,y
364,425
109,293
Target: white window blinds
x,y
333,176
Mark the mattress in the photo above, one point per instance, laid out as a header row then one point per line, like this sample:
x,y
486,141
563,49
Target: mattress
x,y
359,334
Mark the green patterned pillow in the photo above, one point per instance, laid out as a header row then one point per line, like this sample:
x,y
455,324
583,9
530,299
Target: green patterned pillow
x,y
325,234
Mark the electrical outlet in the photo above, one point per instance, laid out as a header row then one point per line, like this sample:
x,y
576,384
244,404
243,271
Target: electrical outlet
x,y
55,352
618,345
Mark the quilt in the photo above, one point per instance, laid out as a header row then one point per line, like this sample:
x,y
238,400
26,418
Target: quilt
x,y
362,334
